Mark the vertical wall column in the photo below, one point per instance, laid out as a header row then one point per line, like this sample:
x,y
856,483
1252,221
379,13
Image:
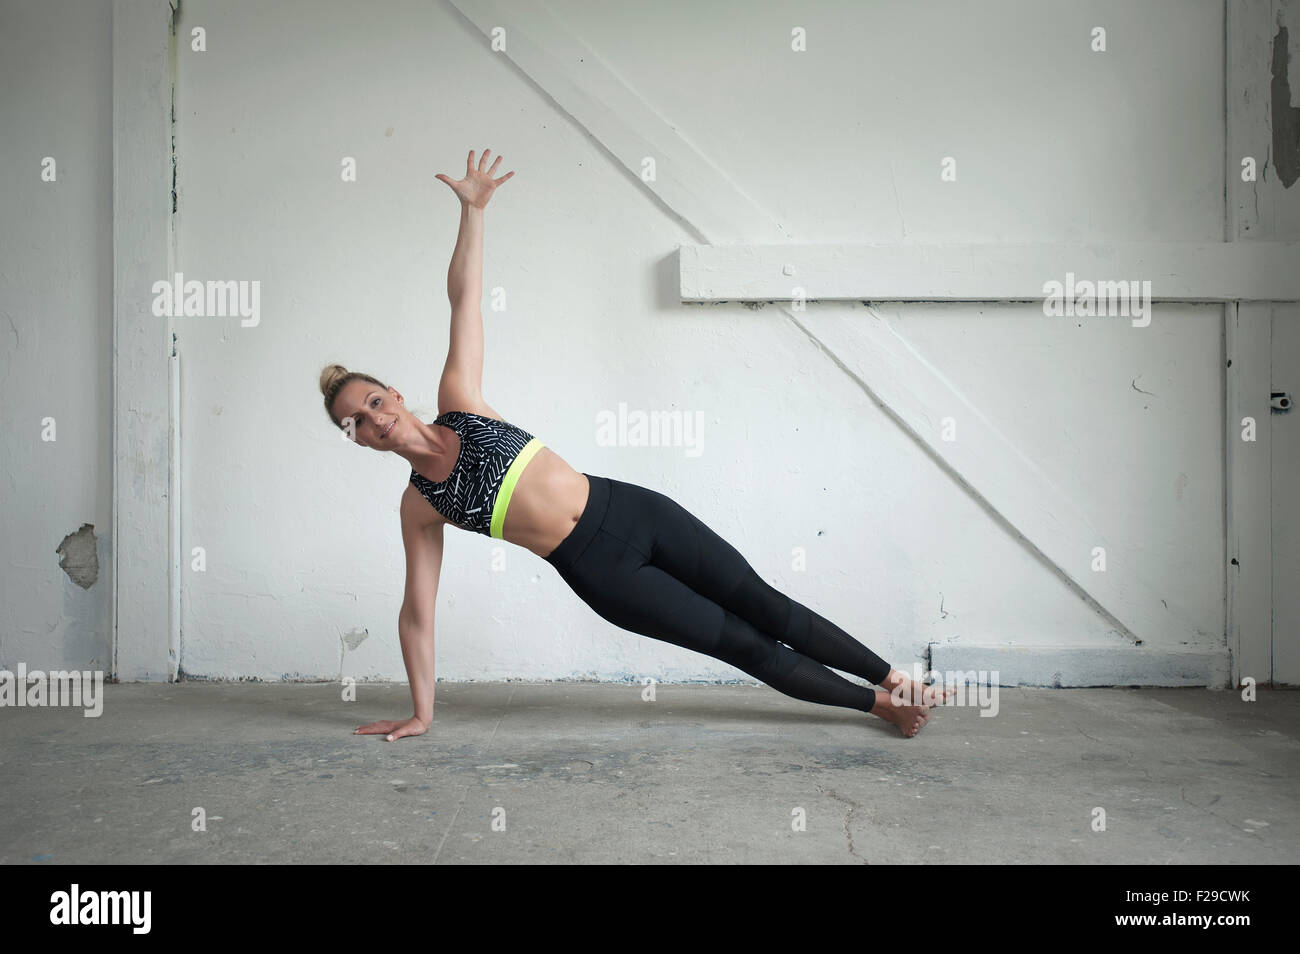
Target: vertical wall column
x,y
142,254
1261,166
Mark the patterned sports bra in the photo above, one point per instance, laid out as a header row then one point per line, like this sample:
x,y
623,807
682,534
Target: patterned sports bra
x,y
477,492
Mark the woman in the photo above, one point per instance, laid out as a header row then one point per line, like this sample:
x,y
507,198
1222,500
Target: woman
x,y
638,558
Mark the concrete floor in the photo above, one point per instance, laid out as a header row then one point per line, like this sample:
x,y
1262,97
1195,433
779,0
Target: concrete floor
x,y
588,772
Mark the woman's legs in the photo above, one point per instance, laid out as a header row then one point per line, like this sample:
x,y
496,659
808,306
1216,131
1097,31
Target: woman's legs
x,y
686,547
652,568
617,582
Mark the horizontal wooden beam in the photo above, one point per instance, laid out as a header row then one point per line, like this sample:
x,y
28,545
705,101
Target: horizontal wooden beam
x,y
1156,271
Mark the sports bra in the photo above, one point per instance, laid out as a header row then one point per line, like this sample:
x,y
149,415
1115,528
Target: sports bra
x,y
477,492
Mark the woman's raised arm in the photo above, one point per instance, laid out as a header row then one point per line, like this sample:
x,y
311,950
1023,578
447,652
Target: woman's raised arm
x,y
462,375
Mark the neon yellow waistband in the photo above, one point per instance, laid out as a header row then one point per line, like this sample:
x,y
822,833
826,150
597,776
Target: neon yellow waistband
x,y
508,485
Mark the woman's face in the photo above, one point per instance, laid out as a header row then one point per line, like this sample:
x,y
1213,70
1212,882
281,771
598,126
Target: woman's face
x,y
370,415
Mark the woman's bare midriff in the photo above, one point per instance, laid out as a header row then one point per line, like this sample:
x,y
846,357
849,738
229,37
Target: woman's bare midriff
x,y
548,499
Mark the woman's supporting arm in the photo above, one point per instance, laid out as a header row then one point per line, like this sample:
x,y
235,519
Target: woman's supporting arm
x,y
422,537
417,653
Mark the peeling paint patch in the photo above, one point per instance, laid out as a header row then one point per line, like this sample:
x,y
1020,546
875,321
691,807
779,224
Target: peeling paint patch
x,y
354,638
1286,118
78,558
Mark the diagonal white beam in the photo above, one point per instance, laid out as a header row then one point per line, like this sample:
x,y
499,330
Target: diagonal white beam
x,y
563,68
906,386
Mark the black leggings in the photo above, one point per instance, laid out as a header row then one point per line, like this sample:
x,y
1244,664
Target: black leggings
x,y
646,564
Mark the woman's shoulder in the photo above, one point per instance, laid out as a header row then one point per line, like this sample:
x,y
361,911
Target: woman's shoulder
x,y
449,417
452,419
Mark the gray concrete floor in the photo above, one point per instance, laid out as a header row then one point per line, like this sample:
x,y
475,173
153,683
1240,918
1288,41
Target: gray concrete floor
x,y
585,772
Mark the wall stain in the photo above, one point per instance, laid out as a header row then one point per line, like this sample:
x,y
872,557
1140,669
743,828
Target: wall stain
x,y
1286,118
78,557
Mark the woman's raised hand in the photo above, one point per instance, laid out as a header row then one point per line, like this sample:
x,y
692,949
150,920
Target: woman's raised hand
x,y
478,185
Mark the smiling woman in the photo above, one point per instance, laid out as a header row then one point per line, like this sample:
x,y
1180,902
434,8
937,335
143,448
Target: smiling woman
x,y
634,555
332,379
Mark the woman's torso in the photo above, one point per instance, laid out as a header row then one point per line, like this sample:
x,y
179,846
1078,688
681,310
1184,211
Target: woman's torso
x,y
548,497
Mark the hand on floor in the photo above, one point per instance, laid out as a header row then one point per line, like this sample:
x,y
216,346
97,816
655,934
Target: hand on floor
x,y
394,730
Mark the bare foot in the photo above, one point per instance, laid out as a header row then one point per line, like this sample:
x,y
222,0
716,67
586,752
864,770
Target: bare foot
x,y
909,719
917,693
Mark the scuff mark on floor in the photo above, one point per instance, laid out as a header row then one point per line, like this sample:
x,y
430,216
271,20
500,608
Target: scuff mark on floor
x,y
848,817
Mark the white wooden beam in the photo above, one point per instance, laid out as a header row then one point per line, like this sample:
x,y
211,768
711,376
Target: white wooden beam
x,y
691,187
142,249
1175,271
1259,208
1067,667
1249,493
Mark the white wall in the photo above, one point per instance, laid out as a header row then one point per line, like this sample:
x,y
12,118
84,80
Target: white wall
x,y
56,325
839,144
